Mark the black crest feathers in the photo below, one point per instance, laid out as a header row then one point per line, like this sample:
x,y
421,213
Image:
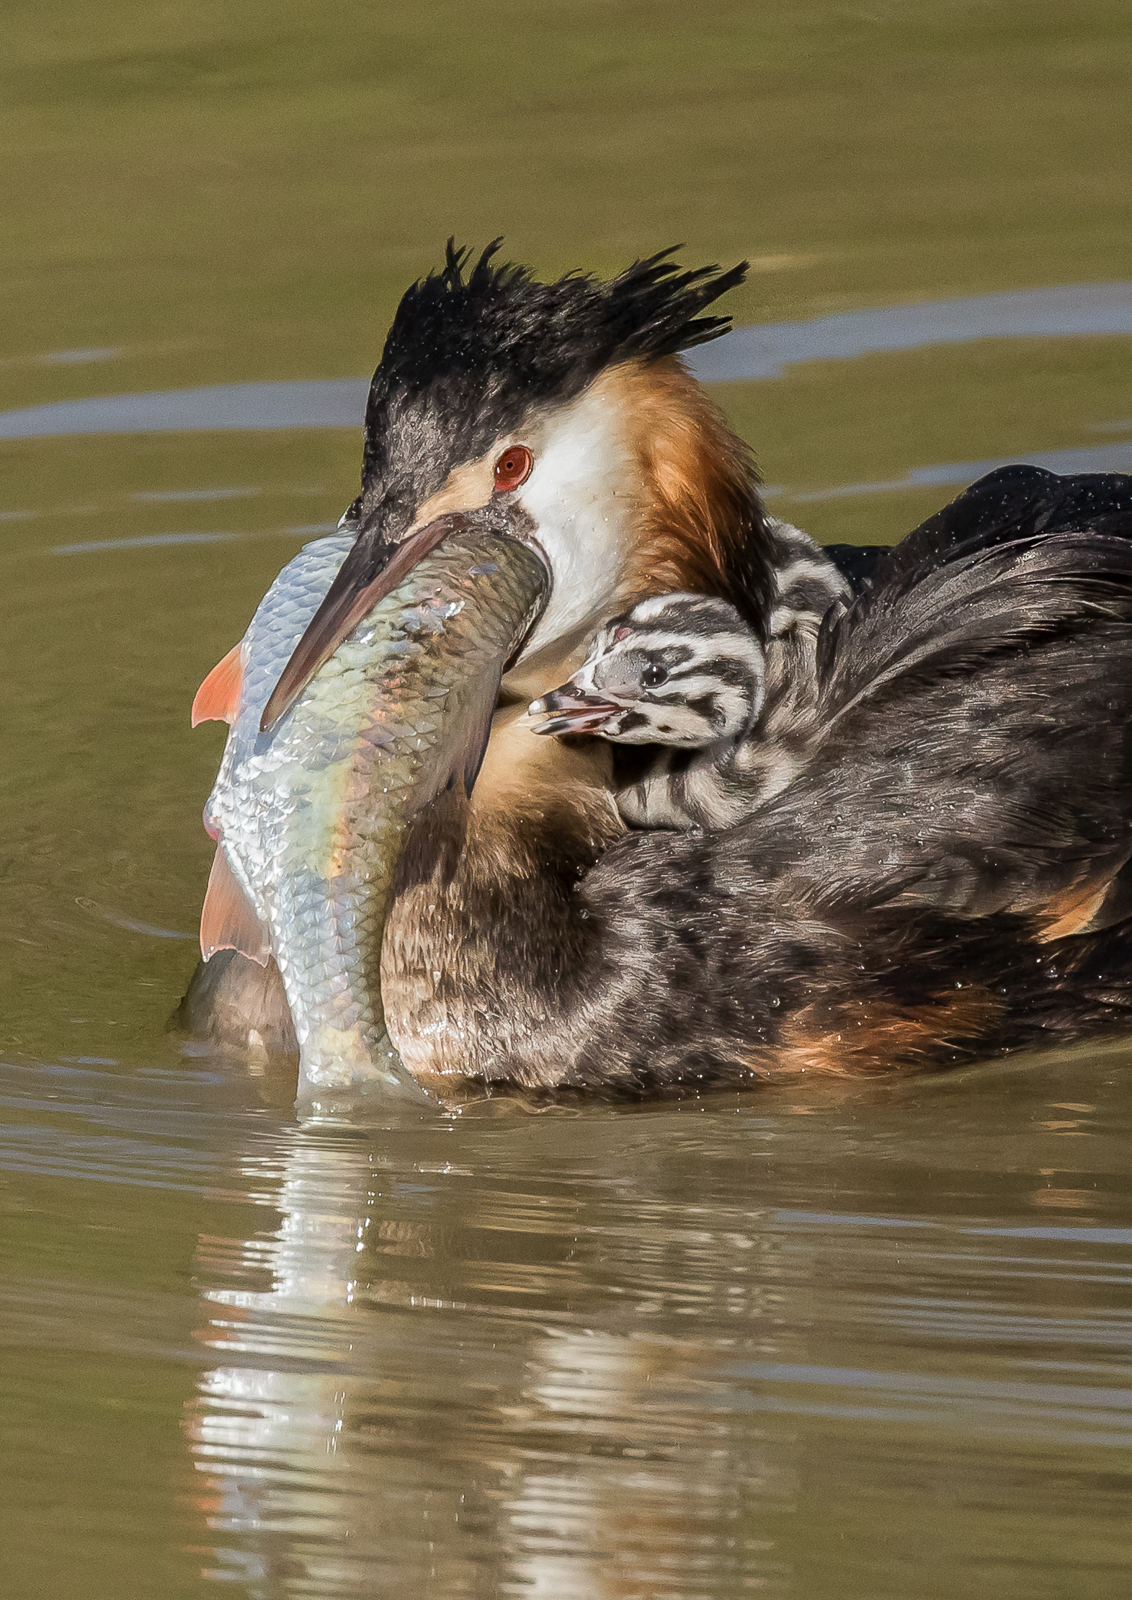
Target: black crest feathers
x,y
478,345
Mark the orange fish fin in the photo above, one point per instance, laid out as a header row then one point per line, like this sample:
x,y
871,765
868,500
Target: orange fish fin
x,y
218,698
227,919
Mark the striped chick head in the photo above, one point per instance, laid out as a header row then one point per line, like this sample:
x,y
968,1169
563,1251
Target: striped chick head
x,y
678,669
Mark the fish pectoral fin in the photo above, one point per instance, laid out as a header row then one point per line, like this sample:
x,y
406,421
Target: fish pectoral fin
x,y
461,757
227,919
218,698
475,731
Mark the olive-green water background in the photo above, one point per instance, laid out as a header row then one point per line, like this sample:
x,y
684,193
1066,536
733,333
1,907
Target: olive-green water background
x,y
872,1342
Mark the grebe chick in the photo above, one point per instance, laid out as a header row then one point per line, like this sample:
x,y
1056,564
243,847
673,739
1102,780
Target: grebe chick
x,y
685,673
679,671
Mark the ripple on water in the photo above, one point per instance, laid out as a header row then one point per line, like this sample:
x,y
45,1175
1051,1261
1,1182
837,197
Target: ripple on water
x,y
645,1373
578,1353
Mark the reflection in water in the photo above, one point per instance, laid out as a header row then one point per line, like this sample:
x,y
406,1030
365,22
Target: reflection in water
x,y
1094,458
764,351
877,1351
192,496
606,1357
417,1393
151,541
219,407
82,358
271,1433
1074,310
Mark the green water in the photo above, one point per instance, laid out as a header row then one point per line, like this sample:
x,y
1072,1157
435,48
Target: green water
x,y
867,1343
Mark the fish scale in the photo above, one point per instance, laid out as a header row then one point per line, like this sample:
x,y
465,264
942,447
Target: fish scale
x,y
313,815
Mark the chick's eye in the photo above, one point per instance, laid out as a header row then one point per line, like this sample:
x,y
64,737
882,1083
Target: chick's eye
x,y
654,675
513,467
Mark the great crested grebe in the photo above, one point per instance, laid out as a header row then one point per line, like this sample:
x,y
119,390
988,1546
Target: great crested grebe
x,y
942,871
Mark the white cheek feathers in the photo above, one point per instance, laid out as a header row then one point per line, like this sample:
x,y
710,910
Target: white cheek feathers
x,y
583,493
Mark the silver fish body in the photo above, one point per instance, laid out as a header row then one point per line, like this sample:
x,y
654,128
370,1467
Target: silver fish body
x,y
312,816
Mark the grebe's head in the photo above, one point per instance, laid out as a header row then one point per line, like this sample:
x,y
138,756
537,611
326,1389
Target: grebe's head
x,y
563,408
678,669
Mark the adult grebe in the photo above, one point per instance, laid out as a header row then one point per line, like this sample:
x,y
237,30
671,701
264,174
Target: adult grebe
x,y
943,877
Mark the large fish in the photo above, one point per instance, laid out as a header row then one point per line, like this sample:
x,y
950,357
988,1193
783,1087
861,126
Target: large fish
x,y
311,817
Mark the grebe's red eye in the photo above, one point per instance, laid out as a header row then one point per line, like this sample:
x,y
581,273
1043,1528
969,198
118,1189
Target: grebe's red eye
x,y
513,467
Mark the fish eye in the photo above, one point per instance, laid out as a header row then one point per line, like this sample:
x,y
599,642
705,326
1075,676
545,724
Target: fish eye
x,y
513,467
654,675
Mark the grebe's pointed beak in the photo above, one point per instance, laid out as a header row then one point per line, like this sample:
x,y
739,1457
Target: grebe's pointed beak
x,y
370,572
572,710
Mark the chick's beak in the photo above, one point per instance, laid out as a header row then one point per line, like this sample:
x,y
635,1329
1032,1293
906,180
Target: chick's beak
x,y
573,710
372,570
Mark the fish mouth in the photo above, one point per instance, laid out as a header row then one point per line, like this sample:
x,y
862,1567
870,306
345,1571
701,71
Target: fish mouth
x,y
573,711
371,570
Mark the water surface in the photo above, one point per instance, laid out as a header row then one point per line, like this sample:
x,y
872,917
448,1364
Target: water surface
x,y
871,1343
